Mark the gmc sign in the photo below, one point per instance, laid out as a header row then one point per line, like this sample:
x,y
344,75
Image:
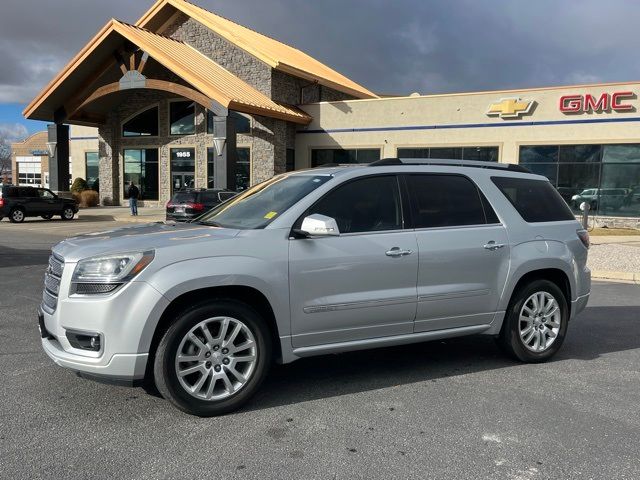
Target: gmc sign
x,y
591,104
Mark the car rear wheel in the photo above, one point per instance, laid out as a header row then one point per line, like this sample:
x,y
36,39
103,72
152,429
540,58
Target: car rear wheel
x,y
213,358
47,217
536,322
67,213
16,215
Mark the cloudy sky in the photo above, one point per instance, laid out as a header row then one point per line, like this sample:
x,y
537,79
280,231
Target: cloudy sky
x,y
390,46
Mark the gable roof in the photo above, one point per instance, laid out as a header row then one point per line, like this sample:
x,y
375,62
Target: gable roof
x,y
205,75
272,52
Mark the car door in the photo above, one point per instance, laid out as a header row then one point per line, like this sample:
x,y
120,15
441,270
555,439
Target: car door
x,y
30,200
48,203
463,252
362,283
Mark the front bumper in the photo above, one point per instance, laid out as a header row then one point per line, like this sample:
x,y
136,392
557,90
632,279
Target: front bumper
x,y
124,320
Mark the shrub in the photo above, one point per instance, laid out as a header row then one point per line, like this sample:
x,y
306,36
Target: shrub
x,y
89,198
79,185
76,196
107,202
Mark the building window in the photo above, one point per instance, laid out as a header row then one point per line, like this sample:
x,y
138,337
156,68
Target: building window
x,y
485,154
326,156
243,169
92,168
241,122
183,168
141,168
144,124
605,176
182,118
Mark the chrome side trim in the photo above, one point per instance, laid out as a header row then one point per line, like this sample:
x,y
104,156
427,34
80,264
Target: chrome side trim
x,y
445,296
352,305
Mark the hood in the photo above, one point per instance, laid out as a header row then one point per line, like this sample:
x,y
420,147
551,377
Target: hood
x,y
139,238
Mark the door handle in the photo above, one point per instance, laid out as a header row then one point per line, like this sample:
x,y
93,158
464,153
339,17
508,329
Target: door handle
x,y
396,252
492,245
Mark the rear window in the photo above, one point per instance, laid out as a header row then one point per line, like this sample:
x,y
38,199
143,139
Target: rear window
x,y
184,197
535,200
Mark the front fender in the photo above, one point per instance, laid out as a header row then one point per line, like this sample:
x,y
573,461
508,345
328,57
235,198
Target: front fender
x,y
539,255
268,277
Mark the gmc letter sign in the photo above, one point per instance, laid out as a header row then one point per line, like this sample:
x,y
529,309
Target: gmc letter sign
x,y
589,103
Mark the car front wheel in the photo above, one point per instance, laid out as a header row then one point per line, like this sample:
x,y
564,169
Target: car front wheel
x,y
213,358
536,322
67,213
16,215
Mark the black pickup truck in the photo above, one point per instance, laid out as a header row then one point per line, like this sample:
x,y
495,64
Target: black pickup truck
x,y
17,203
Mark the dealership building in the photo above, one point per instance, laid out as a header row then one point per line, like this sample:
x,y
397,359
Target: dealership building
x,y
188,98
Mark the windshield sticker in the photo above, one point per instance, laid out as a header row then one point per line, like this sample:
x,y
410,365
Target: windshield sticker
x,y
270,215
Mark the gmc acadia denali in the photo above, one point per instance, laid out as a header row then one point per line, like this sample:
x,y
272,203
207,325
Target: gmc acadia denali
x,y
314,262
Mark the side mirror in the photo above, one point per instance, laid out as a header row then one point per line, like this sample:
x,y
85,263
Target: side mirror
x,y
317,225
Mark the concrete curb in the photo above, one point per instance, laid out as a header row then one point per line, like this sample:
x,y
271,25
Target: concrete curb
x,y
632,277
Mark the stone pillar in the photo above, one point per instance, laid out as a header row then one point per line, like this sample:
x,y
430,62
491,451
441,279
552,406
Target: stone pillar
x,y
58,134
224,162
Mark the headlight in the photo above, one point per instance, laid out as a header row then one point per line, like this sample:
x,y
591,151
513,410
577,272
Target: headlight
x,y
111,269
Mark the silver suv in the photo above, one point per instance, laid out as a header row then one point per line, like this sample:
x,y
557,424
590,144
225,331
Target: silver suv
x,y
314,262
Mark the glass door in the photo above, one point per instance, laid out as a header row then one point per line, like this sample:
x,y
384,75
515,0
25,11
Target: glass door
x,y
183,168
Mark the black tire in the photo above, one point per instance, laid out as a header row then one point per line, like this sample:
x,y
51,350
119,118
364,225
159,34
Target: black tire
x,y
17,215
510,339
164,370
47,217
67,213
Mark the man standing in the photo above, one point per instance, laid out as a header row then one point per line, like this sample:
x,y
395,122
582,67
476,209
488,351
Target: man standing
x,y
133,193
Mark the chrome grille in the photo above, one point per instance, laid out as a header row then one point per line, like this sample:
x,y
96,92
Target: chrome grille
x,y
52,284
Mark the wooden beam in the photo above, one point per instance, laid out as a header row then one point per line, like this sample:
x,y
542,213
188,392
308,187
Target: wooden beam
x,y
119,56
132,61
151,84
143,61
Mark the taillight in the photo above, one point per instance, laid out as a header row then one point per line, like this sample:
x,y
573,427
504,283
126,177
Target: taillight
x,y
583,235
1,202
198,207
169,204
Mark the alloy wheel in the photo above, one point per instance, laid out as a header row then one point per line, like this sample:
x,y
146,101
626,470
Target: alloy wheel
x,y
539,322
17,216
216,358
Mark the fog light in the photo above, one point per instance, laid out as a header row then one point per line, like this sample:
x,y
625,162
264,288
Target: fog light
x,y
84,341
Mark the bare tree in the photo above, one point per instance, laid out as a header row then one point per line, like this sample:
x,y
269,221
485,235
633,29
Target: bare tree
x,y
5,158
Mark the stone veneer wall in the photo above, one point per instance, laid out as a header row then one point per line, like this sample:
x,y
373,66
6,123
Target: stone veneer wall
x,y
112,145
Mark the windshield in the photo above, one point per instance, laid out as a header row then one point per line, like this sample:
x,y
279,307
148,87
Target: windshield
x,y
260,205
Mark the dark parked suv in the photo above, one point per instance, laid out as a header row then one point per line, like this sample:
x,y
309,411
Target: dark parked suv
x,y
188,204
17,203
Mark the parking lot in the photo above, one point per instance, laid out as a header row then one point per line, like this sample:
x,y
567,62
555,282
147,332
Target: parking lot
x,y
446,409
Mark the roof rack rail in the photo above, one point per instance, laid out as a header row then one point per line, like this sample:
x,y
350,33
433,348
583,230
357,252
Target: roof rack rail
x,y
333,165
451,163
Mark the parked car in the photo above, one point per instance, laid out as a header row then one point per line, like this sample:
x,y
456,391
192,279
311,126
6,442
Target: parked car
x,y
188,204
315,262
608,198
17,203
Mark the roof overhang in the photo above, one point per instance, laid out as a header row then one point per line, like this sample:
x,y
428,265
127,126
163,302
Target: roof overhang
x,y
214,85
275,54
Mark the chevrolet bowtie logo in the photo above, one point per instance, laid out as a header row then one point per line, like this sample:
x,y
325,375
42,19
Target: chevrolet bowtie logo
x,y
510,107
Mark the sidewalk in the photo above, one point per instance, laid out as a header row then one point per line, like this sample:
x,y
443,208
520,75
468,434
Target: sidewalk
x,y
615,258
123,214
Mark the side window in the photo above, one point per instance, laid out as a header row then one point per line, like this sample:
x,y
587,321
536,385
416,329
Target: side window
x,y
224,196
445,201
45,194
535,200
28,192
366,205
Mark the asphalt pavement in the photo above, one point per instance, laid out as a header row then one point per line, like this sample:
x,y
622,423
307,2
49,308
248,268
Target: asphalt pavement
x,y
448,409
